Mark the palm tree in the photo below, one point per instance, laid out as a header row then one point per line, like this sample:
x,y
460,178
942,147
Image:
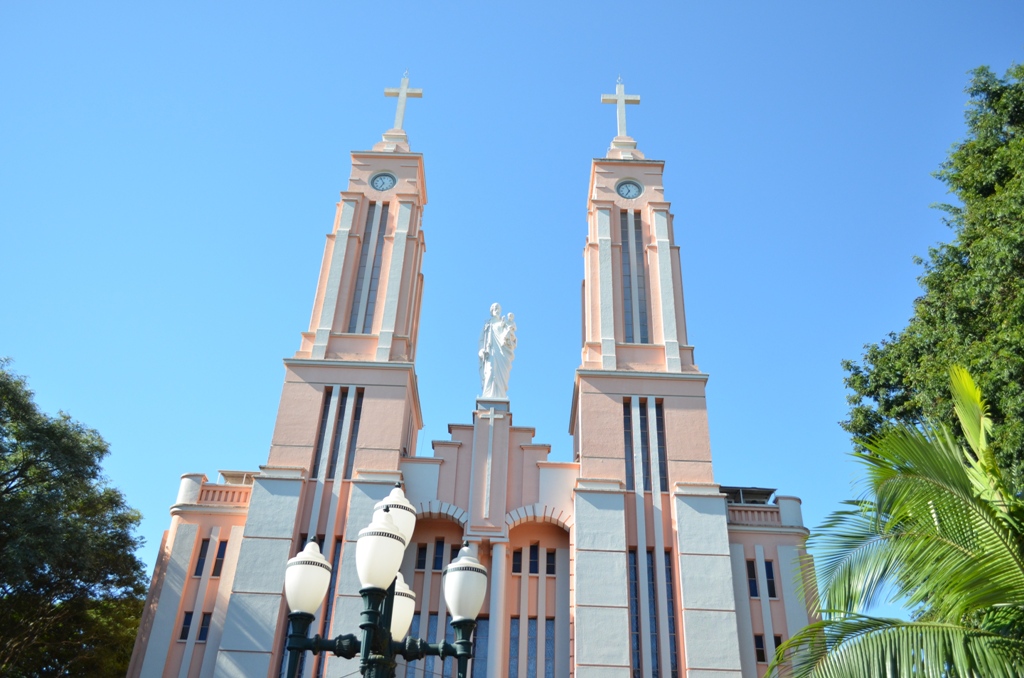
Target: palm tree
x,y
938,528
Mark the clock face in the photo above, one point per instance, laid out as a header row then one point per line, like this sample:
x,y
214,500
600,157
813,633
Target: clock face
x,y
629,189
383,182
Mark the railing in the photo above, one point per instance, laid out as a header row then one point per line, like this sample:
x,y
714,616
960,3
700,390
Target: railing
x,y
233,495
754,515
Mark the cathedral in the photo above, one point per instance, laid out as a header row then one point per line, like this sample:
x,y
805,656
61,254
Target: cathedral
x,y
628,562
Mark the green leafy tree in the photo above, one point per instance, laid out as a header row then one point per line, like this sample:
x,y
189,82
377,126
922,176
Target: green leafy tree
x,y
70,584
939,527
971,311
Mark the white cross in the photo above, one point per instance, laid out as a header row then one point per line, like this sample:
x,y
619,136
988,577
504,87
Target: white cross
x,y
402,92
620,99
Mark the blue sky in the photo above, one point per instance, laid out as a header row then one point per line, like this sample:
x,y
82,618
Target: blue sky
x,y
168,173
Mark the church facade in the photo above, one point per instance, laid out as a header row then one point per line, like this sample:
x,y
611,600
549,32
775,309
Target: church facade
x,y
629,561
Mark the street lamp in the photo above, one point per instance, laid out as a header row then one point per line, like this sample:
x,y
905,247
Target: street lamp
x,y
388,603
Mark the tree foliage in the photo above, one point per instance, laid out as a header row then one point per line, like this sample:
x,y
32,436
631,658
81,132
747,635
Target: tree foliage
x,y
939,527
70,584
971,311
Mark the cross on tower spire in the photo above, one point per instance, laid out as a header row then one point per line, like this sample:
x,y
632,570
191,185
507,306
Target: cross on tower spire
x,y
620,99
402,93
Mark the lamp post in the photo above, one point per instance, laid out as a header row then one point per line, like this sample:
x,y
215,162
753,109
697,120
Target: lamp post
x,y
388,603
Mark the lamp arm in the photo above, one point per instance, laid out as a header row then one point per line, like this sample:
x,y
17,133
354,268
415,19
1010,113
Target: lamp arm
x,y
412,649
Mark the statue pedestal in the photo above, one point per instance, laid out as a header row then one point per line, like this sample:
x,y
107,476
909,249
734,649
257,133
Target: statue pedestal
x,y
497,404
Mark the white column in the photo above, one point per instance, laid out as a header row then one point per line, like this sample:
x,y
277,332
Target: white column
x,y
602,605
744,626
708,603
329,308
641,530
496,660
394,285
789,589
666,291
166,616
253,617
658,520
220,607
766,606
604,283
542,608
197,604
562,612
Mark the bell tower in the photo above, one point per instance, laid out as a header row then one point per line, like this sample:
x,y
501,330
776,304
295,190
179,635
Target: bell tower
x,y
646,505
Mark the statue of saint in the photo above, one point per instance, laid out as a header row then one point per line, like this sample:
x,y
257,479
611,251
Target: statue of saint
x,y
497,350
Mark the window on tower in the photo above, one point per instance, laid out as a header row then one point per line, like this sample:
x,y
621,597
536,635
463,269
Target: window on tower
x,y
339,423
659,420
645,445
353,437
759,651
769,570
201,560
752,578
364,298
634,615
634,278
627,431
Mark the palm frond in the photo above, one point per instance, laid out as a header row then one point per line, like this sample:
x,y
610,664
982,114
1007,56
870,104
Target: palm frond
x,y
858,646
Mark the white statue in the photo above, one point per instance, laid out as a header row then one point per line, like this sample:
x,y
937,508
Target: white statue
x,y
497,350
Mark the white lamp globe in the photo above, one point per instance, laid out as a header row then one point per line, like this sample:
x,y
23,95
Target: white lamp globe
x,y
403,609
465,584
306,578
402,511
379,552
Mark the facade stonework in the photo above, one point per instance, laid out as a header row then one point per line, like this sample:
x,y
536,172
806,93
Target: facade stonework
x,y
630,561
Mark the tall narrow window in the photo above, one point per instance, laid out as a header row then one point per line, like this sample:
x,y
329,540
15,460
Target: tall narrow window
x,y
659,422
641,278
534,558
652,615
438,555
339,423
201,560
453,552
204,627
481,637
627,278
428,663
549,648
186,624
769,570
513,646
364,254
531,647
634,615
328,615
550,561
448,669
752,578
371,297
778,641
353,438
325,410
517,561
673,633
421,557
645,445
762,656
627,433
218,563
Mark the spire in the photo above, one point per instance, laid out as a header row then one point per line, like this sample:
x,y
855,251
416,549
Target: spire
x,y
623,146
395,138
